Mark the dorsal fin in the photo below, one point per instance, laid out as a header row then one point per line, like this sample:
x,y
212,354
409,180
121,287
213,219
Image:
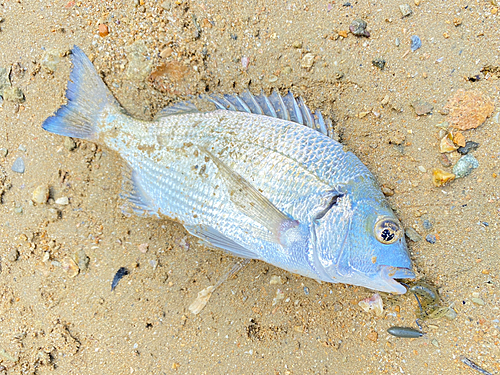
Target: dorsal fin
x,y
275,105
283,107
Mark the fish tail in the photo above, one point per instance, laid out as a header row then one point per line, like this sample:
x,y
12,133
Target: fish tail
x,y
87,97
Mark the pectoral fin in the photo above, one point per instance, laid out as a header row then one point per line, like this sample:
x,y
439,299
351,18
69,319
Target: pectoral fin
x,y
251,202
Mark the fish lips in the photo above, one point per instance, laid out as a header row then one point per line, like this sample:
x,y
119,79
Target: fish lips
x,y
386,279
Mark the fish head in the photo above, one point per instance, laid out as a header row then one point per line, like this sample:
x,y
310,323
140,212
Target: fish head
x,y
370,250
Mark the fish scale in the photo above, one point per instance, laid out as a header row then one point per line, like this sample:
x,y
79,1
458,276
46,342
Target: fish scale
x,y
258,177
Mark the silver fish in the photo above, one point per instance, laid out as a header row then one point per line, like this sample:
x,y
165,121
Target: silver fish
x,y
248,178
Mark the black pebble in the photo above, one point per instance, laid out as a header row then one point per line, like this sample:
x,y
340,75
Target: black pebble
x,y
469,146
379,63
118,276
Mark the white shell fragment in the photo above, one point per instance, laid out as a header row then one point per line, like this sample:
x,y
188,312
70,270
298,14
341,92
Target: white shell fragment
x,y
202,299
374,303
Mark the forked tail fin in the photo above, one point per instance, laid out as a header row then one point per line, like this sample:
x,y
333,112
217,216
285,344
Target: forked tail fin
x,y
87,97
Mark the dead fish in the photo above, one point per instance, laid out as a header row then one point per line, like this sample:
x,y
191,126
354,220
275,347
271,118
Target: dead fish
x,y
248,178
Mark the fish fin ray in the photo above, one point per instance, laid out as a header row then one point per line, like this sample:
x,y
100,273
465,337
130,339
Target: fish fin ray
x,y
87,96
277,102
214,238
250,201
293,108
177,109
137,201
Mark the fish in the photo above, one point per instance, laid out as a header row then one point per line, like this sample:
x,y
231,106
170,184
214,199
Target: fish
x,y
257,176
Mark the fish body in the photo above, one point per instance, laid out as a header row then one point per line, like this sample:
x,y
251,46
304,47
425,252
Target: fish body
x,y
248,178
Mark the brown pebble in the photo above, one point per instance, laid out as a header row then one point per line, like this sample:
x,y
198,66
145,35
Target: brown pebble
x,y
441,178
373,336
457,21
103,30
445,160
388,192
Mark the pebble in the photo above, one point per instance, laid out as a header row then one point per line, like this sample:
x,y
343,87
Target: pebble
x,y
416,43
50,59
69,143
70,267
306,290
405,332
103,30
13,94
435,343
82,260
397,42
13,255
287,70
413,235
358,28
373,336
245,61
388,192
18,165
3,152
427,224
469,109
405,10
431,238
62,201
379,63
297,44
138,68
422,108
469,146
4,79
276,280
40,194
478,301
465,166
307,61
445,160
422,169
441,178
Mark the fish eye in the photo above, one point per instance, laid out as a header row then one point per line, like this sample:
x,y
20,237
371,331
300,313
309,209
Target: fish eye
x,y
387,231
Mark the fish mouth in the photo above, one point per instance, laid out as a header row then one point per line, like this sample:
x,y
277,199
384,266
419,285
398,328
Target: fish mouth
x,y
388,274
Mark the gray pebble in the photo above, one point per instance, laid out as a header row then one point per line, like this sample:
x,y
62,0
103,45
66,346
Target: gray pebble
x,y
358,28
431,238
416,43
69,143
405,10
18,165
465,166
427,224
469,146
413,235
13,255
379,63
22,148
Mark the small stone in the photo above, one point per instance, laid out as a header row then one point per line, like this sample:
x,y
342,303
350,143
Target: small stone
x,y
40,194
307,61
445,160
139,67
469,109
13,255
13,94
363,114
457,21
431,238
465,166
69,143
451,314
3,152
82,260
358,28
4,79
441,178
413,235
54,214
385,100
469,146
422,169
397,42
143,248
279,296
459,139
342,33
427,224
435,343
374,303
276,280
50,59
297,44
405,10
446,144
103,30
416,43
287,70
245,61
478,301
422,108
379,63
372,336
70,267
388,192
62,201
18,165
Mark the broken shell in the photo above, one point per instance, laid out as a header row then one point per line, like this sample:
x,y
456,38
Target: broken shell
x,y
459,139
440,177
374,303
202,299
446,144
70,267
40,194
